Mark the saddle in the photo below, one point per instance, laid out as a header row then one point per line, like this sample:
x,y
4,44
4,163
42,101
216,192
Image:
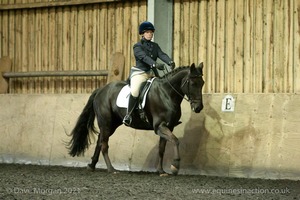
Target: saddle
x,y
123,97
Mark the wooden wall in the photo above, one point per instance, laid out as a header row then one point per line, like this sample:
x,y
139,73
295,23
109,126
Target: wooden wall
x,y
68,37
248,46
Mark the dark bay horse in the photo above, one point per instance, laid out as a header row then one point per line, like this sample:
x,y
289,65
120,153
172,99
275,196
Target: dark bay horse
x,y
162,110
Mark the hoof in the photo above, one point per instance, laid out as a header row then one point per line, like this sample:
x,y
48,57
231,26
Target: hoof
x,y
115,172
174,170
90,168
164,174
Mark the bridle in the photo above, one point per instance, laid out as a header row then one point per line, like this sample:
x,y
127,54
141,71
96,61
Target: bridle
x,y
187,80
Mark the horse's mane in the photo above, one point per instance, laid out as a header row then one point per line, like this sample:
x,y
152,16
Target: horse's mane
x,y
172,72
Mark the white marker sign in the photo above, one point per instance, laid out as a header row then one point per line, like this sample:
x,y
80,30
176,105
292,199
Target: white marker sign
x,y
228,103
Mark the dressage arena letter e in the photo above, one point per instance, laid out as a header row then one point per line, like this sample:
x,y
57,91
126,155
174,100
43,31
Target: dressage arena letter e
x,y
228,104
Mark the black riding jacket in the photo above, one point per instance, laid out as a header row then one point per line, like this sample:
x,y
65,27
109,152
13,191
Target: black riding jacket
x,y
146,53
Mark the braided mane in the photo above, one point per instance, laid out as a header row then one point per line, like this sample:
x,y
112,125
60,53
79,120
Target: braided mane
x,y
177,69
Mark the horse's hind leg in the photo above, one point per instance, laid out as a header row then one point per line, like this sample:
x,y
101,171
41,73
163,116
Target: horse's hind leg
x,y
105,147
102,145
96,155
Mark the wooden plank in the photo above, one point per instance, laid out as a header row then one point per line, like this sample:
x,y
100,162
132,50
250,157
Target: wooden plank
x,y
5,66
230,43
11,51
211,45
220,46
134,37
15,6
202,45
4,34
112,39
3,18
279,47
103,41
24,48
37,48
194,30
268,46
118,29
288,28
115,70
31,47
81,48
52,47
185,25
296,46
46,32
73,45
18,55
59,83
66,46
127,45
239,47
95,47
248,46
88,38
258,47
176,33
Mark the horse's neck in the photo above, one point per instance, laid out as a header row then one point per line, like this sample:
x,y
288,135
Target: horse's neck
x,y
174,83
176,79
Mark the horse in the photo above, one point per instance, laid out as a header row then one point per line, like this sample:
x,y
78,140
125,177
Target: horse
x,y
162,110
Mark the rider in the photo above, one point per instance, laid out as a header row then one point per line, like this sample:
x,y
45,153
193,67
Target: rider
x,y
146,53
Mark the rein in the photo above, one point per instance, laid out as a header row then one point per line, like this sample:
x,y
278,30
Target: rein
x,y
187,99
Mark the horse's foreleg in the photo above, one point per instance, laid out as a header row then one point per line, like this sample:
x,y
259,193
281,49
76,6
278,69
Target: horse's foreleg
x,y
96,155
161,152
164,132
105,147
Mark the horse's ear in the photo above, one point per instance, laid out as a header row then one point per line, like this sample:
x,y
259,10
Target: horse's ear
x,y
193,65
193,69
201,65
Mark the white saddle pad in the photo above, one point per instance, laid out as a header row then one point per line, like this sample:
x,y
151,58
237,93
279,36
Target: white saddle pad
x,y
123,97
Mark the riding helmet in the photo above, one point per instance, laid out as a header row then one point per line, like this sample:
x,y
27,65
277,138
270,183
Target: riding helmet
x,y
145,26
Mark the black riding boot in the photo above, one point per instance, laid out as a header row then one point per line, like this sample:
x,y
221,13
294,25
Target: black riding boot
x,y
131,105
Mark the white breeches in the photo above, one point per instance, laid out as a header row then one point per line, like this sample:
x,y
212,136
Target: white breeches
x,y
136,82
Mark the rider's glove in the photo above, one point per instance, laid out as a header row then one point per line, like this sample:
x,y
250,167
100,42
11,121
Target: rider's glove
x,y
159,66
171,64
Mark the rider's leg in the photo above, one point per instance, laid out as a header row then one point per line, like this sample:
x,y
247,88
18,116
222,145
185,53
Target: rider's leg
x,y
135,84
131,105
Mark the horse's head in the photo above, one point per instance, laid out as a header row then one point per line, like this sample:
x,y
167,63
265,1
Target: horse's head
x,y
192,87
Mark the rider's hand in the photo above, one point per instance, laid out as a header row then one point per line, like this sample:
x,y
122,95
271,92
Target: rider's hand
x,y
159,66
171,64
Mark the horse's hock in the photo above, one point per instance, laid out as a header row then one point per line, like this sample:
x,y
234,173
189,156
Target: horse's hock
x,y
258,139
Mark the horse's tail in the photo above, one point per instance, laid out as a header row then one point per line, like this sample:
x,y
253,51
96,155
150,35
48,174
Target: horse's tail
x,y
81,133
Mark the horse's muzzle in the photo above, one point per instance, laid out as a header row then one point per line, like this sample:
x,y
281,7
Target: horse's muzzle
x,y
197,106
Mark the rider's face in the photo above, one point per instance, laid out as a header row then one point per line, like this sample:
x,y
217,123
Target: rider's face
x,y
148,35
